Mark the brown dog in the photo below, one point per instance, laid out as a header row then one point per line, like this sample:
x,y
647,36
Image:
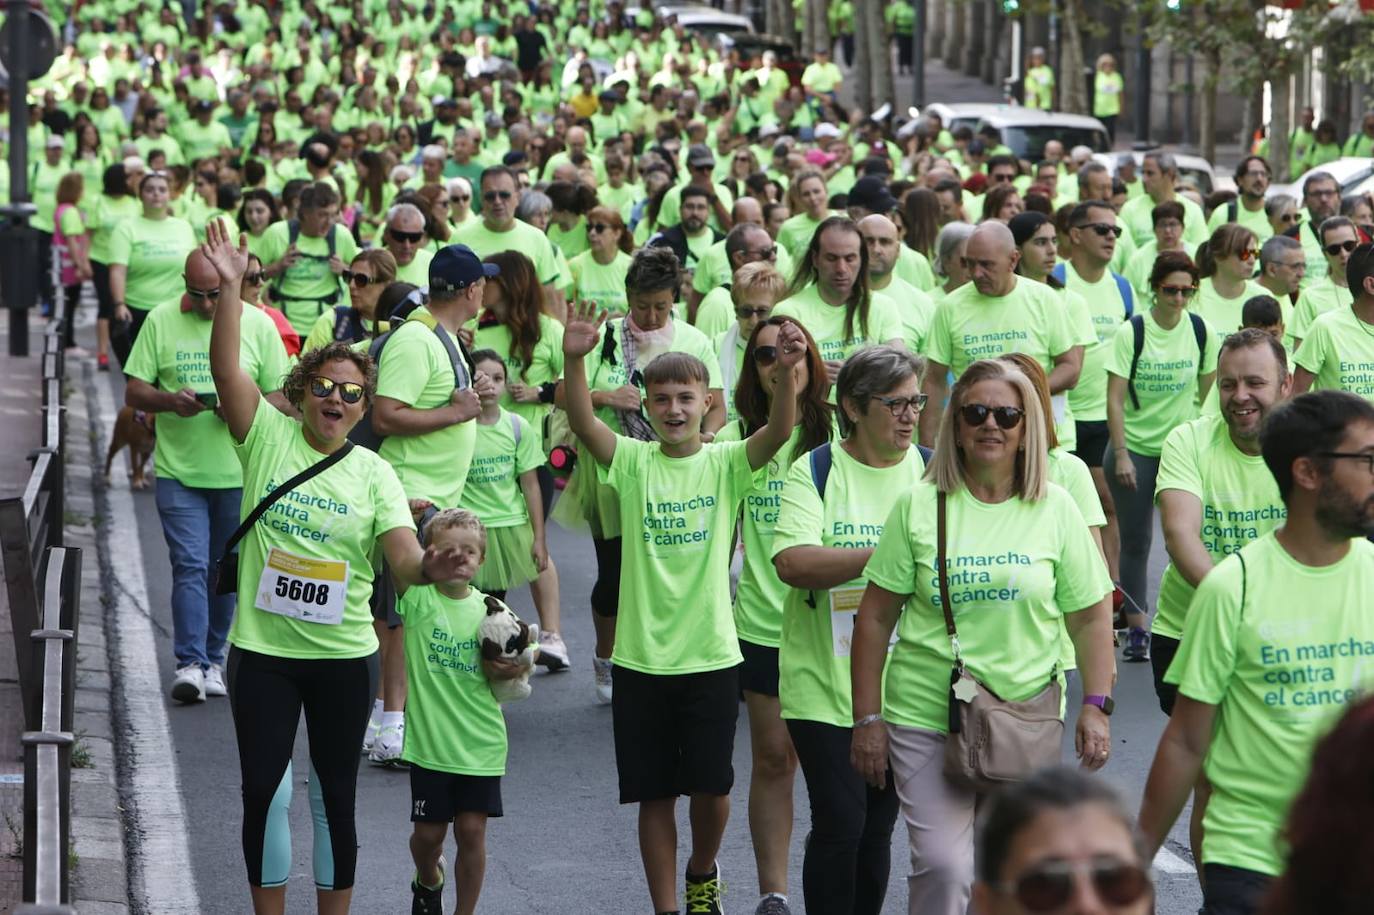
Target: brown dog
x,y
137,430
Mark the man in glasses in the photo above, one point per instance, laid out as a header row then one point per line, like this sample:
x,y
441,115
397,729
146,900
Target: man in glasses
x,y
884,245
1282,268
1337,349
199,478
1158,174
499,230
1252,180
1339,239
1274,649
1321,199
404,237
306,255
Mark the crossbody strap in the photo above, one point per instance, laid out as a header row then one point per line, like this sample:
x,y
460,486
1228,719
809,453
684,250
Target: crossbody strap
x,y
940,557
314,469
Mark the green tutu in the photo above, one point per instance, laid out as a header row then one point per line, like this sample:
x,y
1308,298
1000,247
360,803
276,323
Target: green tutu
x,y
508,564
588,503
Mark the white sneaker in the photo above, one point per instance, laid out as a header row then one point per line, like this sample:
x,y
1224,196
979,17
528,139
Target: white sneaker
x,y
374,727
553,654
602,667
214,681
189,684
386,749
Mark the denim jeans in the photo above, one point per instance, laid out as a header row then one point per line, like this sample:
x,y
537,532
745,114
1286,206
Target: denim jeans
x,y
197,523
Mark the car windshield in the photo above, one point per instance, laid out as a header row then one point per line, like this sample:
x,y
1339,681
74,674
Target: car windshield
x,y
716,27
1028,141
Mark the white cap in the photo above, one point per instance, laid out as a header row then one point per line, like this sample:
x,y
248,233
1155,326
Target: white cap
x,y
56,142
827,130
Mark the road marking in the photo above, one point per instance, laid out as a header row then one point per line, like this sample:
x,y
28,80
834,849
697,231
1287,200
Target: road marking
x,y
162,879
1169,863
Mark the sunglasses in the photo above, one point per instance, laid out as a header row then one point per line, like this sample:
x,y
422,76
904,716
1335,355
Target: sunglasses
x,y
1050,887
1102,229
412,238
1186,291
1290,218
898,405
254,279
202,293
1338,247
744,311
1248,254
490,196
597,227
461,198
766,254
322,387
361,280
975,414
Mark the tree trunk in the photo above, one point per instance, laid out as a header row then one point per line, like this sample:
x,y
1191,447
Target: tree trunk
x,y
1073,91
1279,126
817,28
880,57
864,63
1207,113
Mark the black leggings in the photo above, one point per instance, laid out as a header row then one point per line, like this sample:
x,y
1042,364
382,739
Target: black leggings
x,y
122,336
266,694
849,849
71,298
606,591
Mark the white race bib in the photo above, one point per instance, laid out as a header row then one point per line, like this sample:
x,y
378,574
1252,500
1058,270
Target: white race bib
x,y
1057,404
844,610
310,590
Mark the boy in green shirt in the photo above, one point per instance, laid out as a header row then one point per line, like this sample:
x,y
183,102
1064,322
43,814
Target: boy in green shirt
x,y
676,675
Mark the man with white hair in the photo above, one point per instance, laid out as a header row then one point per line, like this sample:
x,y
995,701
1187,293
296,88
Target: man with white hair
x,y
404,237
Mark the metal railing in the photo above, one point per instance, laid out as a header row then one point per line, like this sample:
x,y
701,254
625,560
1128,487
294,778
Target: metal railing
x,y
43,584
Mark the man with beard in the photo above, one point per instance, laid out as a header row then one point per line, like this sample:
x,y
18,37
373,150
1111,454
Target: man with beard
x,y
1274,648
690,238
1252,180
1337,351
1321,198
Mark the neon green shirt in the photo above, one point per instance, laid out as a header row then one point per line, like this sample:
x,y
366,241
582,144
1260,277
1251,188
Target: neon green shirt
x,y
969,326
1223,315
716,312
1107,89
677,515
813,664
1240,502
453,722
417,271
607,375
913,267
1039,87
522,237
821,78
1280,669
826,322
154,251
1339,350
300,291
1315,300
1135,216
1256,221
546,363
914,307
105,215
1107,310
796,231
1166,380
1015,569
603,284
492,491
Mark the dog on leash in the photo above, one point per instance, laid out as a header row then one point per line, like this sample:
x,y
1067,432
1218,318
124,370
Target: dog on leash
x,y
135,429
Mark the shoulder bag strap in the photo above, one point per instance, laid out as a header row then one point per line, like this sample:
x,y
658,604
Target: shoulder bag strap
x,y
942,574
313,470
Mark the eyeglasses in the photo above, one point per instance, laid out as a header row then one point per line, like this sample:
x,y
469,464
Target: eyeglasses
x,y
1365,456
490,196
1248,254
460,198
1186,291
1001,178
322,387
744,312
1256,174
597,227
975,414
1338,247
361,280
1290,218
254,279
410,238
1049,887
899,405
764,254
1102,229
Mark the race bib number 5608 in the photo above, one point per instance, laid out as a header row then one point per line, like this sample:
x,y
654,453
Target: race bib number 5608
x,y
311,590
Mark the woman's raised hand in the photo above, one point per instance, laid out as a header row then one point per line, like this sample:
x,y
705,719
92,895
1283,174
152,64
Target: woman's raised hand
x,y
229,261
582,331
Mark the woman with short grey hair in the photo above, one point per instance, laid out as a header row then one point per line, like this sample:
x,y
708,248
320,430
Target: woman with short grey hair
x,y
950,245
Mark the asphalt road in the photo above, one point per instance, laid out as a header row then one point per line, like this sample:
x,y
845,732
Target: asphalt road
x,y
564,844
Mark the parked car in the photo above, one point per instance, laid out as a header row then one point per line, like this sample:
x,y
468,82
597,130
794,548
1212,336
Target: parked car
x,y
751,48
705,19
1351,173
1026,130
1193,170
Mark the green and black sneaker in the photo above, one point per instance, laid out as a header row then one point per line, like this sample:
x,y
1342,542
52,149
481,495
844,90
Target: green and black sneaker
x,y
703,893
428,900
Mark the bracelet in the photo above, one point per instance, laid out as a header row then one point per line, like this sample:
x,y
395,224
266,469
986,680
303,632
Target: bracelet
x,y
868,719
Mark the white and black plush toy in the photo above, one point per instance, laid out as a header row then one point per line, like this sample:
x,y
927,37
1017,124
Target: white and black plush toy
x,y
507,637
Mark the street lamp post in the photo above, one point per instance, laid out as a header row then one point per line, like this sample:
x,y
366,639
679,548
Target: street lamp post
x,y
918,55
18,240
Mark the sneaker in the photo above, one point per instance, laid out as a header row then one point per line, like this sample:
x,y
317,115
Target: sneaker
x,y
424,900
214,681
386,749
553,654
189,684
374,727
773,904
602,667
703,893
1137,646
102,362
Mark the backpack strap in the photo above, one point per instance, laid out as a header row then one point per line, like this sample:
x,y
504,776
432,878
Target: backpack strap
x,y
821,460
1059,272
1232,209
1200,334
1123,286
463,368
330,237
926,453
515,428
1137,347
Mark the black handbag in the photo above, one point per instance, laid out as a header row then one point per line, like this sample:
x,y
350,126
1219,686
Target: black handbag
x,y
227,569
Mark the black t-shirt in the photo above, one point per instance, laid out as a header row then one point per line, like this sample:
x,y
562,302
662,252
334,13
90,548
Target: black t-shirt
x,y
530,46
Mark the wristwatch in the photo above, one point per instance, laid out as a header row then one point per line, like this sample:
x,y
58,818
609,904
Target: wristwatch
x,y
1105,703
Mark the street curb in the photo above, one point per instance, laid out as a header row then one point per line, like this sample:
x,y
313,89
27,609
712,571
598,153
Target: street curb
x,y
100,877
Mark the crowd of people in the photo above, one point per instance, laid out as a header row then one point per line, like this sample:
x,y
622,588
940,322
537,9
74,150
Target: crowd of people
x,y
405,294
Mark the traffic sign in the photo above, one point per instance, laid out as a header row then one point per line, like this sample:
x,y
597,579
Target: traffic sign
x,y
41,41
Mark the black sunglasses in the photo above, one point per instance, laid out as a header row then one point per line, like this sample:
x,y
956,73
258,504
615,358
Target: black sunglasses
x,y
597,227
744,311
411,237
322,387
1338,247
1101,228
497,195
975,414
202,293
255,278
361,280
1186,291
1049,887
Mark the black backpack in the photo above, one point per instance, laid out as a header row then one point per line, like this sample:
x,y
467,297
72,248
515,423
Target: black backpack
x,y
1200,333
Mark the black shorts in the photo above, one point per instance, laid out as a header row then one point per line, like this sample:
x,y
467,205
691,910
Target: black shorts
x,y
674,734
759,672
382,603
1093,438
1162,651
438,797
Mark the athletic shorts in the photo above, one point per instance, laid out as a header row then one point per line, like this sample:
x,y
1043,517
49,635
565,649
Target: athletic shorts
x,y
382,603
674,734
1093,438
1162,651
759,672
438,797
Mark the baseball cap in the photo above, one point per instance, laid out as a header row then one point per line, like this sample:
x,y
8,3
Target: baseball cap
x,y
699,156
769,130
56,142
826,130
457,267
820,157
872,194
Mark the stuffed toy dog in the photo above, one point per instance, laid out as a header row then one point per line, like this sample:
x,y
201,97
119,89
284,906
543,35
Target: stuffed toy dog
x,y
505,636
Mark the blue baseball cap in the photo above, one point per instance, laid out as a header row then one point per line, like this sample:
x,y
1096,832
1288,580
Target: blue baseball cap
x,y
457,267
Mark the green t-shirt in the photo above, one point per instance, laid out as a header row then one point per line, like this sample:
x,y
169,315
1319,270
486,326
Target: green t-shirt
x,y
826,322
1317,299
1223,315
1256,221
173,352
453,722
1240,502
915,309
819,77
416,370
1166,380
1107,89
603,284
546,363
1281,669
154,251
492,491
1339,350
1039,87
716,312
301,291
336,516
522,237
713,268
1070,472
969,326
677,515
203,141
913,267
607,372
105,215
795,234
1015,569
1106,310
817,626
417,271
1135,216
